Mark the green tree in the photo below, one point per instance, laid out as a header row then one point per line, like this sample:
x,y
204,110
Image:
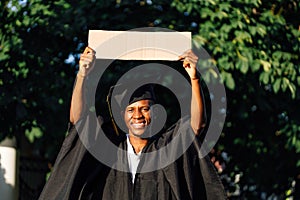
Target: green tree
x,y
254,44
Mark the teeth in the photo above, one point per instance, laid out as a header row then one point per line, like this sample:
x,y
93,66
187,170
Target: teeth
x,y
138,125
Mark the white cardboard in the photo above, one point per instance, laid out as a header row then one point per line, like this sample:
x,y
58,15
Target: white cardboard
x,y
134,45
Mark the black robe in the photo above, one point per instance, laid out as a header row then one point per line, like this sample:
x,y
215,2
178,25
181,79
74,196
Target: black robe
x,y
79,175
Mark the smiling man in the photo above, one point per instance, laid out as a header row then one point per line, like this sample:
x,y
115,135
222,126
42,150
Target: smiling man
x,y
137,118
79,175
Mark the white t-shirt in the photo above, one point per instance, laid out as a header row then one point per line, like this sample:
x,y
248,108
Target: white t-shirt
x,y
133,159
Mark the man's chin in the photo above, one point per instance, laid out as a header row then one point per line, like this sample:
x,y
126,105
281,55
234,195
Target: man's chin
x,y
143,134
137,134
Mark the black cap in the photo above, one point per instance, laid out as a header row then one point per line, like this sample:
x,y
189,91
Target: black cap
x,y
126,94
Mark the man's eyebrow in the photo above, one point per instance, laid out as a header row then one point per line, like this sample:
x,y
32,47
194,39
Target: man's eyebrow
x,y
142,106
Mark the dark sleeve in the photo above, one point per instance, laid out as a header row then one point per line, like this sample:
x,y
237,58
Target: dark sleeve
x,y
74,163
213,186
192,175
71,163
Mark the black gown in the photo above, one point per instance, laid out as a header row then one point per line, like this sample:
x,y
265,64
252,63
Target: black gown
x,y
77,174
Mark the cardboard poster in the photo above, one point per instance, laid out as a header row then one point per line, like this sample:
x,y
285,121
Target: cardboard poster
x,y
137,45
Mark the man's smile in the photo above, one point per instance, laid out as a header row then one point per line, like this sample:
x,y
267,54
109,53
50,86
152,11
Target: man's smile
x,y
138,125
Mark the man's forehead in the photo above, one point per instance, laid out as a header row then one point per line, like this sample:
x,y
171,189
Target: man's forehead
x,y
140,103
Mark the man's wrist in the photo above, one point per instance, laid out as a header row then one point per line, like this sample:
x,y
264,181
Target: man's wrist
x,y
80,75
196,78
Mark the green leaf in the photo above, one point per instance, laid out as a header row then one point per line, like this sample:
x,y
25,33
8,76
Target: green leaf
x,y
276,85
266,65
261,30
33,134
245,67
264,77
292,88
298,163
223,62
297,145
298,80
199,40
284,85
255,66
229,81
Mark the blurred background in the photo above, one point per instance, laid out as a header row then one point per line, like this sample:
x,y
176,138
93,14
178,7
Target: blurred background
x,y
255,44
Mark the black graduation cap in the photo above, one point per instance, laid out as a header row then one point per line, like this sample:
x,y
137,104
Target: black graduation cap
x,y
124,94
131,89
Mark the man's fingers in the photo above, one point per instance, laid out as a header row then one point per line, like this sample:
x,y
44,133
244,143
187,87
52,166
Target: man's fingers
x,y
189,62
88,58
89,50
87,61
191,59
188,58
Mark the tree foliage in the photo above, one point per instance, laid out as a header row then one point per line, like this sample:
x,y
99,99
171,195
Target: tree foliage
x,y
254,43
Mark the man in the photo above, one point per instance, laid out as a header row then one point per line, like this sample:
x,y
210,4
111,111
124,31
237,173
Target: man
x,y
77,174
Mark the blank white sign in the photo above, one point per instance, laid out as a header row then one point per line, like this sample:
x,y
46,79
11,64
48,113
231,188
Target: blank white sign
x,y
136,45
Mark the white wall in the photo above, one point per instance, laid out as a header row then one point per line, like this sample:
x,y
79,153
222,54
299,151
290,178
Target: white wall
x,y
8,173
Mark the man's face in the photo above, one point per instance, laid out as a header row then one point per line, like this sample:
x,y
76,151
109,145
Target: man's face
x,y
137,117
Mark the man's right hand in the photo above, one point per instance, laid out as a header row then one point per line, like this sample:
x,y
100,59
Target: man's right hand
x,y
86,62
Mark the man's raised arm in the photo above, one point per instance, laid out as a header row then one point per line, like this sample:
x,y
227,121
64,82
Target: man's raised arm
x,y
190,64
86,64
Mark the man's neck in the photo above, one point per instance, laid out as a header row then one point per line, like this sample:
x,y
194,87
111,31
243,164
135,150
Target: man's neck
x,y
137,143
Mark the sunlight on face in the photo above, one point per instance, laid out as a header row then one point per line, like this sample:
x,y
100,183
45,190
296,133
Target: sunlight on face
x,y
137,117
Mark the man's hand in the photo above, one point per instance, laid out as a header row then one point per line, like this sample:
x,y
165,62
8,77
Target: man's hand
x,y
190,63
86,62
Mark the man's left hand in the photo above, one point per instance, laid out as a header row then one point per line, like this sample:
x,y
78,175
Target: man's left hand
x,y
190,63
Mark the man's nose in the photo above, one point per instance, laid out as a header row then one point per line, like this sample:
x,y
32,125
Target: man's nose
x,y
137,114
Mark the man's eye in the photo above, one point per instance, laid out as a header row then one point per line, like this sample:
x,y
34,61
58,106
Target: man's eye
x,y
130,110
145,109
